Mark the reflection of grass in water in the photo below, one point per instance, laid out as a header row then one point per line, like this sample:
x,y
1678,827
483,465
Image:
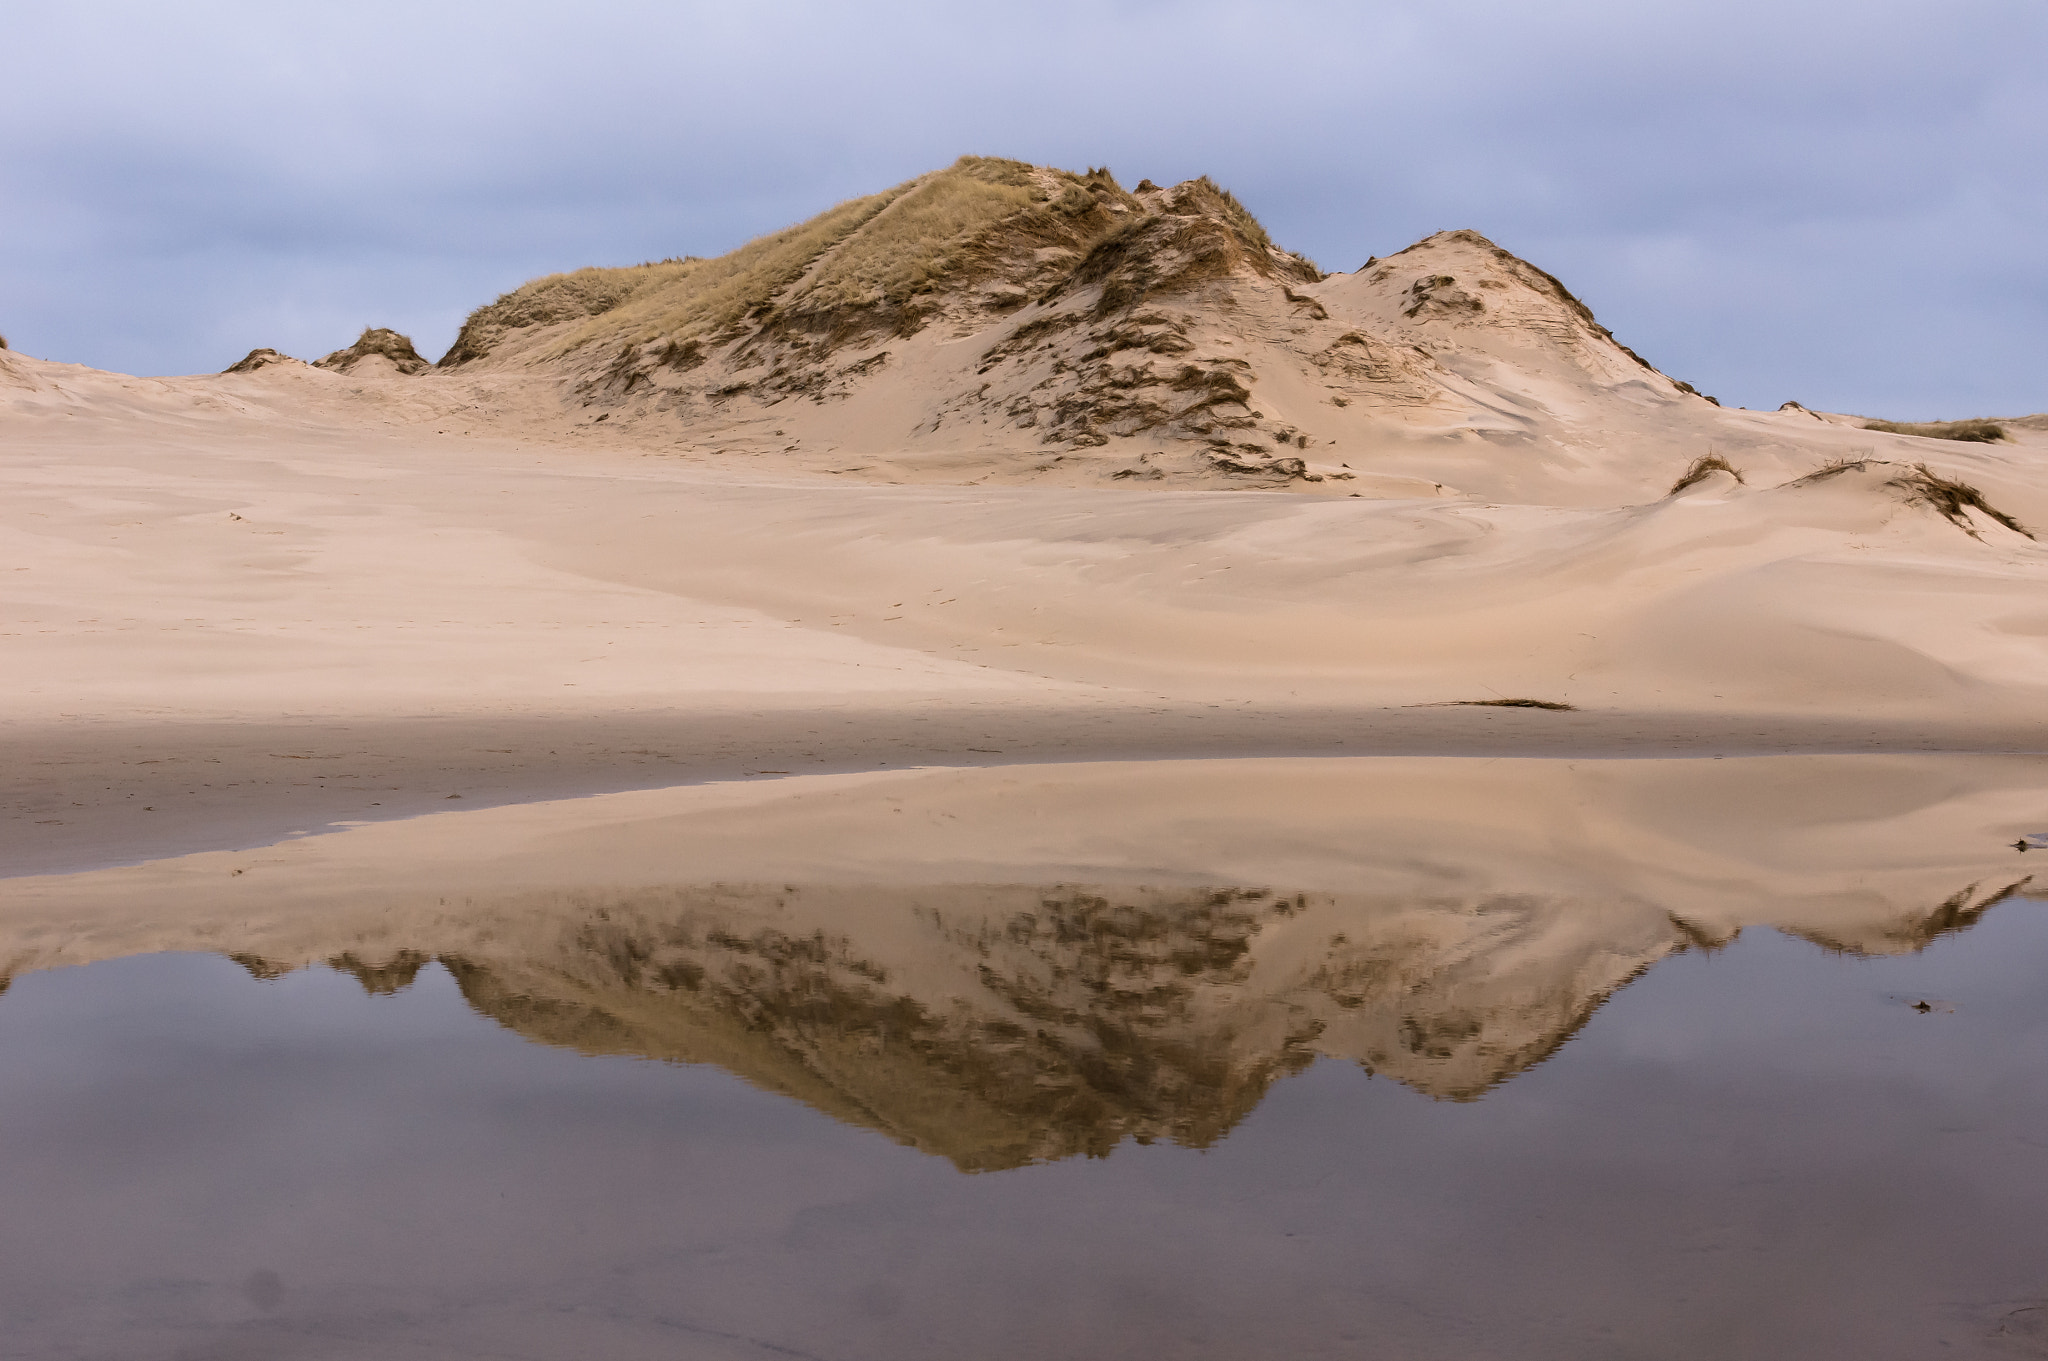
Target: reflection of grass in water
x,y
1092,1019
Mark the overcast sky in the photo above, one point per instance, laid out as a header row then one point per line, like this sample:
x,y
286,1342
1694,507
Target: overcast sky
x,y
1838,201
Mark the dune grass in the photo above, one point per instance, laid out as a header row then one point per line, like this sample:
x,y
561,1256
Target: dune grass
x,y
1951,499
845,268
1970,432
1703,467
919,238
710,296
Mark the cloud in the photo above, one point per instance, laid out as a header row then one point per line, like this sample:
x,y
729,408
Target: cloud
x,y
1825,200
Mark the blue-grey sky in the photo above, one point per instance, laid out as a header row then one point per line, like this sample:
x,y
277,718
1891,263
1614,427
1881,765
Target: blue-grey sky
x,y
1838,201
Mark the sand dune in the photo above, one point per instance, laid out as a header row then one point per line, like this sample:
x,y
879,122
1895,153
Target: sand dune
x,y
695,495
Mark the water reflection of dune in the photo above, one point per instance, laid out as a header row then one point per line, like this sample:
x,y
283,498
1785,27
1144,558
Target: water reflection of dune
x,y
885,947
997,1026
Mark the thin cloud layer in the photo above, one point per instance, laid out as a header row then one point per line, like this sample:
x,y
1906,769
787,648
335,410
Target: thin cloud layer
x,y
1831,203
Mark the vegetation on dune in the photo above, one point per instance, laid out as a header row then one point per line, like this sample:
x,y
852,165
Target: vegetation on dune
x,y
381,342
1950,499
886,263
1703,467
1920,485
924,235
1970,432
713,296
261,358
558,298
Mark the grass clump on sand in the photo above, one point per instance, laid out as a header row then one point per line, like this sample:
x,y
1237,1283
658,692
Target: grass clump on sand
x,y
1951,499
1702,468
1970,432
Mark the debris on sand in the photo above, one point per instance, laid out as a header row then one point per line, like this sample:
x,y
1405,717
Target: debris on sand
x,y
1552,704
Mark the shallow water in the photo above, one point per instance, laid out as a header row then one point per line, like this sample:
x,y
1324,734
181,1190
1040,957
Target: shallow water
x,y
1016,1122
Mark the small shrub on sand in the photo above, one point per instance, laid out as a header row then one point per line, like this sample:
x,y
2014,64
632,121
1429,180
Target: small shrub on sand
x,y
1702,468
1970,432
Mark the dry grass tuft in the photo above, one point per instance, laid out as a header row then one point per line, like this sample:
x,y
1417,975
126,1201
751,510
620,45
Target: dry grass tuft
x,y
1970,432
1950,499
1834,467
1703,467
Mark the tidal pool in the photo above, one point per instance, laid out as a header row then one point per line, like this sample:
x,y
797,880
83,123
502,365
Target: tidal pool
x,y
1771,1148
1379,1059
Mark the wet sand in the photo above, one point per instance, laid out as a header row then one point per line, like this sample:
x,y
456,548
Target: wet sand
x,y
81,796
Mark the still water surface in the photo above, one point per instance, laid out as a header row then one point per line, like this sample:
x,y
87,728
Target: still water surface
x,y
669,1139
